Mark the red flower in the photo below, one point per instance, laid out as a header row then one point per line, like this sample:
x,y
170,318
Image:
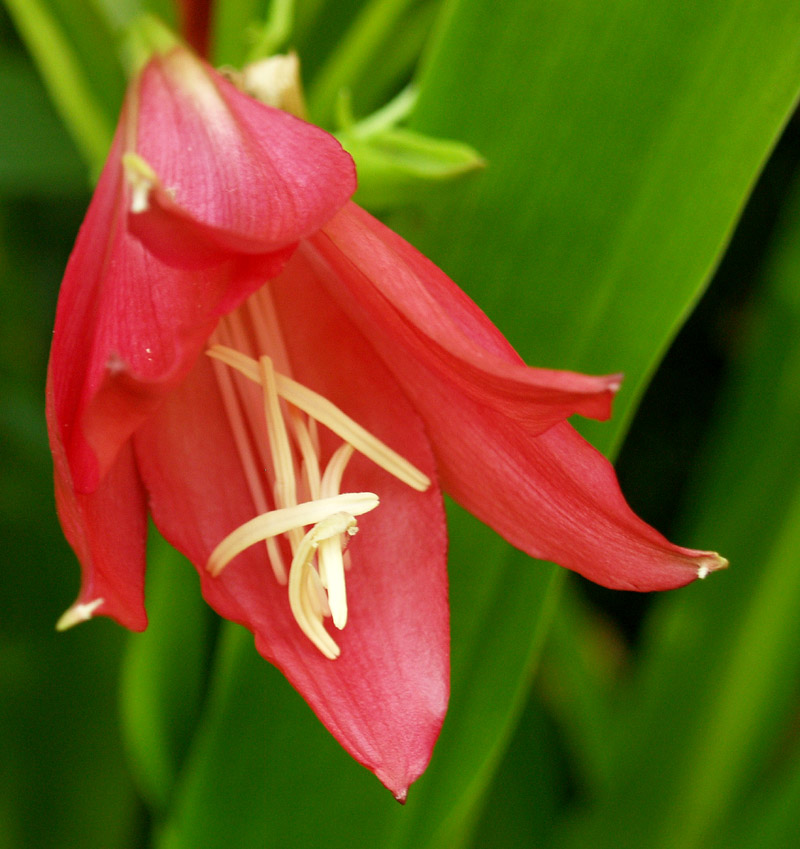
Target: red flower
x,y
247,356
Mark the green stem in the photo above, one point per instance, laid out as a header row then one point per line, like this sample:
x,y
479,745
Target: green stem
x,y
275,32
376,23
64,77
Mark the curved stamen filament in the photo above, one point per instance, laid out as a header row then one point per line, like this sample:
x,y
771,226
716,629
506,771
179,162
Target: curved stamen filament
x,y
277,522
300,595
307,452
331,416
291,467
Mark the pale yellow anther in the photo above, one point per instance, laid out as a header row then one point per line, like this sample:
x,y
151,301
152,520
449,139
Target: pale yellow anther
x,y
78,613
142,179
331,573
277,522
300,595
331,416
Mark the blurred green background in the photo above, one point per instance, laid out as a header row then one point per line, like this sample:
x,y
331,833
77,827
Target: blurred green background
x,y
639,211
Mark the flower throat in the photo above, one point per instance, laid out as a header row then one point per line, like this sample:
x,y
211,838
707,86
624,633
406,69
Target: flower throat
x,y
296,492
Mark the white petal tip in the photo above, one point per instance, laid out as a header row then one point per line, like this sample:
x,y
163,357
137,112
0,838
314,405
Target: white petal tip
x,y
141,178
711,564
78,613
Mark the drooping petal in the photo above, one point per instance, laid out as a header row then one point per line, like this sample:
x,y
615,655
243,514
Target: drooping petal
x,y
129,325
107,530
549,493
127,330
415,315
555,497
384,698
231,175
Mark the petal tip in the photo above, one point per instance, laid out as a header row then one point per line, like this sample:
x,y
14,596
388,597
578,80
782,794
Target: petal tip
x,y
79,612
711,562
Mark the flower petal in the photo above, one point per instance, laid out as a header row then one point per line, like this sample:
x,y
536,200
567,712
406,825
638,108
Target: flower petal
x,y
107,531
415,315
231,174
385,697
244,183
128,329
548,493
557,498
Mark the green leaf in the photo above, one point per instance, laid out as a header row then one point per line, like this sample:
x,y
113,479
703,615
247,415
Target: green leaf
x,y
398,167
63,777
37,156
618,162
75,50
622,140
715,698
164,674
234,24
356,54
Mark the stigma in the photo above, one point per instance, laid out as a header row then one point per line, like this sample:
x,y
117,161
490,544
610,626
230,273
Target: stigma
x,y
296,490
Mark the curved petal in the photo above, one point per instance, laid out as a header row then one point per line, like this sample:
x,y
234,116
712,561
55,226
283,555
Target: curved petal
x,y
128,329
416,316
500,447
553,496
231,174
385,697
107,530
243,183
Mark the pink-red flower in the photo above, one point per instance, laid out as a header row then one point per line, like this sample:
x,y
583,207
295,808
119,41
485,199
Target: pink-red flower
x,y
265,369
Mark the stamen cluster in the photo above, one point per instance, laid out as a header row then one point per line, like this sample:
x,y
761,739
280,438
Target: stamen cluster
x,y
306,506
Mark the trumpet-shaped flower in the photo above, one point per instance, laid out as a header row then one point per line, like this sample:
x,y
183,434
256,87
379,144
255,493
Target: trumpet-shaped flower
x,y
284,385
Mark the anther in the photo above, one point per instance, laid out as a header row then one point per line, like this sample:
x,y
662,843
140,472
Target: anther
x,y
142,179
78,613
277,522
300,598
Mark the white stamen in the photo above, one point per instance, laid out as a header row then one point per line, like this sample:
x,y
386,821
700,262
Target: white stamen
x,y
282,521
252,476
332,478
331,416
142,178
308,452
316,576
299,597
78,613
285,491
702,571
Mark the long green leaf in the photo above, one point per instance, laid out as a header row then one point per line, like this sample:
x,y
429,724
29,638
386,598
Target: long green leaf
x,y
164,674
622,141
715,694
75,50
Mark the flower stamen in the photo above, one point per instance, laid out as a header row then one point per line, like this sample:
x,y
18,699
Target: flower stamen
x,y
332,417
142,179
277,522
289,460
301,595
